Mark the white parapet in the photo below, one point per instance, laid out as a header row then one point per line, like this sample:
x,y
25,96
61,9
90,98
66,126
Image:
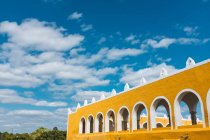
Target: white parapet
x,y
190,62
78,106
85,102
163,72
93,100
69,111
126,87
113,92
102,96
142,81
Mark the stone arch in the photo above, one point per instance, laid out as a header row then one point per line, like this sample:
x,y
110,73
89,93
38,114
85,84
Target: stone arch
x,y
160,101
90,124
138,108
99,123
110,122
191,98
123,119
82,126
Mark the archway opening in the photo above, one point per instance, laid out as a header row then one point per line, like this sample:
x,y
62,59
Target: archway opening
x,y
90,124
145,125
82,126
110,121
160,112
123,120
139,117
159,125
99,123
188,109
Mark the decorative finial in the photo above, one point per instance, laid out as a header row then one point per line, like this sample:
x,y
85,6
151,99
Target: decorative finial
x,y
93,100
163,72
69,111
102,96
126,87
78,105
142,81
190,62
113,92
85,102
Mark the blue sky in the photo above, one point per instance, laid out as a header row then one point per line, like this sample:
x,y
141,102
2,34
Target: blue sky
x,y
56,53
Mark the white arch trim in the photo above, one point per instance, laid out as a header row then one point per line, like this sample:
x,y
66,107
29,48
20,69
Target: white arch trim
x,y
177,109
134,119
153,112
97,122
208,105
119,125
88,123
107,120
80,124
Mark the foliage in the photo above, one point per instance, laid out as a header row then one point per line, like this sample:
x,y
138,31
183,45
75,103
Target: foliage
x,y
39,134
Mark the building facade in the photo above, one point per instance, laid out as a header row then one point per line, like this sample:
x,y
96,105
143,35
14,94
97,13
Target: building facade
x,y
132,114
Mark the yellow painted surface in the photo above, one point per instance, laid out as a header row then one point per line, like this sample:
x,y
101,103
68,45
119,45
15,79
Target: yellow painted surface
x,y
197,79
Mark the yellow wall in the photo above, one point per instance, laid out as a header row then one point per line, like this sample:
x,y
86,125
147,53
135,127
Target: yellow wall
x,y
197,78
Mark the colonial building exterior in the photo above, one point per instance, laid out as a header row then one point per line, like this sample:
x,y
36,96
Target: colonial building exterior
x,y
132,114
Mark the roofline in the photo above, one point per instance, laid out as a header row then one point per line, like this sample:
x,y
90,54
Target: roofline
x,y
153,81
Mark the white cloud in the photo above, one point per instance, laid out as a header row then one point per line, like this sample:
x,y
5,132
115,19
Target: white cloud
x,y
19,121
117,54
75,16
8,96
30,113
191,30
132,39
133,77
80,96
38,35
101,40
165,42
86,27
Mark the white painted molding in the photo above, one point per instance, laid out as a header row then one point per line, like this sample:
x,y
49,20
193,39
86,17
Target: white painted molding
x,y
208,105
69,111
113,92
85,102
102,96
107,120
134,114
177,109
142,81
190,62
163,72
120,118
78,106
126,87
93,100
153,111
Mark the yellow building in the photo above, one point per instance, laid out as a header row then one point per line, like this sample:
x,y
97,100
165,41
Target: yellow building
x,y
121,116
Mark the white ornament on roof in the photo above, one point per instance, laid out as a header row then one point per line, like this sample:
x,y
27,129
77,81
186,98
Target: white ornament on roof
x,y
93,100
126,87
69,111
163,72
102,96
78,105
113,92
190,62
85,102
142,81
